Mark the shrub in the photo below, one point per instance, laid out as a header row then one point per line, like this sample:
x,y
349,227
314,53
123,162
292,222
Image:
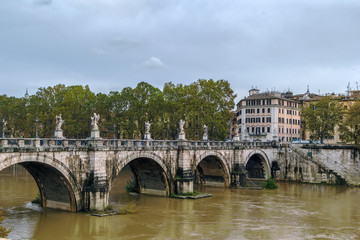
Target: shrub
x,y
270,184
130,186
38,199
4,232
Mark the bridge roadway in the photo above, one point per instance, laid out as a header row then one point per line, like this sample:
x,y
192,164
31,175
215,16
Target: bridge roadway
x,y
77,174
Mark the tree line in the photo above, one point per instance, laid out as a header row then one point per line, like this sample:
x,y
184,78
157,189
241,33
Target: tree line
x,y
123,114
322,117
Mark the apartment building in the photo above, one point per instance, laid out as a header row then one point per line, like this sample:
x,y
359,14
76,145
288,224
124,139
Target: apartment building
x,y
268,116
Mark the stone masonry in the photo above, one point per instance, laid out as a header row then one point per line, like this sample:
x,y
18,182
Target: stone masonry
x,y
77,174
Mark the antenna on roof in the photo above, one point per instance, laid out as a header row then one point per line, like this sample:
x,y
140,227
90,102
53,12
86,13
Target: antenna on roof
x,y
348,89
308,89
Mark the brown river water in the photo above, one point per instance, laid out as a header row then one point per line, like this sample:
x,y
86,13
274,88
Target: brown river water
x,y
294,211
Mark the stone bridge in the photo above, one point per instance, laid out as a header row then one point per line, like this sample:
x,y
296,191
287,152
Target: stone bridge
x,y
77,175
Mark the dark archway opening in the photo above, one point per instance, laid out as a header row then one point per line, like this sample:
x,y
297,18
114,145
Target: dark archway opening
x,y
55,191
210,172
141,175
255,167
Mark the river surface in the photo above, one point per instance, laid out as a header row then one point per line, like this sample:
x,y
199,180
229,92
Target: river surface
x,y
294,211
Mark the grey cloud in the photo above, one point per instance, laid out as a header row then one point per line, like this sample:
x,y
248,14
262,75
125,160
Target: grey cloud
x,y
42,2
268,43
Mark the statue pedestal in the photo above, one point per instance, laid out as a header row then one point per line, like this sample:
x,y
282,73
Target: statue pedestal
x,y
181,136
147,136
95,134
236,138
58,134
205,137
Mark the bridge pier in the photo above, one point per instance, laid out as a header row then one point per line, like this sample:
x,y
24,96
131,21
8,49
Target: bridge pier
x,y
184,177
97,186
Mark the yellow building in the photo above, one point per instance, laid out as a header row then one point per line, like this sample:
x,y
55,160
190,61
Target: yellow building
x,y
347,101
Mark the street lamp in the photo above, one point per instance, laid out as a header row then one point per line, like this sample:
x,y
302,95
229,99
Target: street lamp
x,y
355,134
114,131
36,127
3,133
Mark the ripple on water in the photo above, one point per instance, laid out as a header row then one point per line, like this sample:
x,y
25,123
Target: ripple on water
x,y
23,220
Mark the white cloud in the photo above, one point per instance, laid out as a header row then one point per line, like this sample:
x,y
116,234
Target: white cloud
x,y
99,51
154,62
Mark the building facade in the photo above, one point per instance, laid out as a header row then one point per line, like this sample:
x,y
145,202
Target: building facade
x,y
347,100
268,116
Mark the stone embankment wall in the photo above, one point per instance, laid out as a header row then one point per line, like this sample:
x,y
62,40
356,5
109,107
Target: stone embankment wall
x,y
331,164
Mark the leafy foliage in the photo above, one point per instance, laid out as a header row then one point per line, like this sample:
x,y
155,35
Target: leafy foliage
x,y
38,199
350,129
124,113
4,232
270,184
321,117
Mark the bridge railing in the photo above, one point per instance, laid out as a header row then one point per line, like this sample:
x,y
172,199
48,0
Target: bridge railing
x,y
122,143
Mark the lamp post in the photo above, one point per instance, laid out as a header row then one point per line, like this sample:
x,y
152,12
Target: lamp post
x,y
36,127
3,132
114,131
355,134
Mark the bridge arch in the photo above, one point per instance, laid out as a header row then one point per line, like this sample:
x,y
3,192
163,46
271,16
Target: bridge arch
x,y
57,184
257,164
150,173
211,169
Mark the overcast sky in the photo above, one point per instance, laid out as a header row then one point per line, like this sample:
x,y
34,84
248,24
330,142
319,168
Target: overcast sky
x,y
112,44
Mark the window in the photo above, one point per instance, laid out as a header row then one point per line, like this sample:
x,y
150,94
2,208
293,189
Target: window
x,y
269,102
263,110
268,119
279,120
268,129
263,129
263,119
252,129
268,110
258,110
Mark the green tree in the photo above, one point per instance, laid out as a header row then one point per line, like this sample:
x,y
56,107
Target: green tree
x,y
206,102
76,108
321,117
350,128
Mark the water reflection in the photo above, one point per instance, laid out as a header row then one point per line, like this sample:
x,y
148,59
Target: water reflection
x,y
294,211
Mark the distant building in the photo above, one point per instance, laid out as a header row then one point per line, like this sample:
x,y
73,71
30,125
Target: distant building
x,y
268,116
347,101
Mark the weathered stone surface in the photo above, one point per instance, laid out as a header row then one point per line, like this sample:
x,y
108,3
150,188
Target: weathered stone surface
x,y
76,175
